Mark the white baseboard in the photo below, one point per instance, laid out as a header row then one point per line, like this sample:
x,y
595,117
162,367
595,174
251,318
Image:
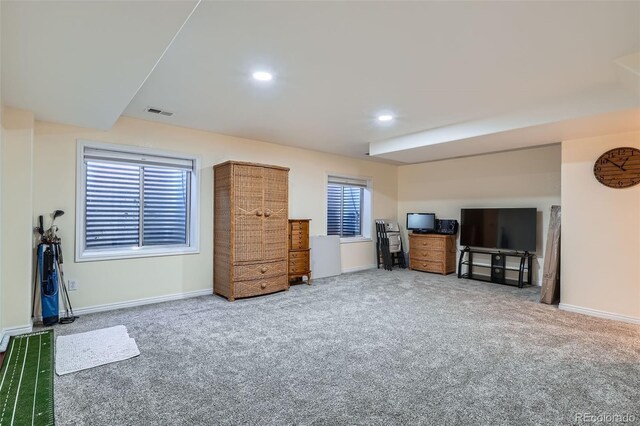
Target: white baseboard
x,y
358,268
139,302
14,331
599,314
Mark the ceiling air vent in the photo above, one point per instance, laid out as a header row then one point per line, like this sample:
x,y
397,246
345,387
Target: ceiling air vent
x,y
159,111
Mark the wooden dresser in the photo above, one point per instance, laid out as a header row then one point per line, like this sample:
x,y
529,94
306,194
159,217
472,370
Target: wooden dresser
x,y
250,229
299,262
432,253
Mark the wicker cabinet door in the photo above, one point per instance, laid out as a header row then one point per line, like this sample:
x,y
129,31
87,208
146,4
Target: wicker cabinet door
x,y
276,214
248,212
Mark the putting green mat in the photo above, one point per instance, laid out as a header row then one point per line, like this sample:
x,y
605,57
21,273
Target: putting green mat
x,y
26,381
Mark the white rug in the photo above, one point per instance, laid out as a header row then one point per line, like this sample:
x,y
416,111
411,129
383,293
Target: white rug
x,y
80,351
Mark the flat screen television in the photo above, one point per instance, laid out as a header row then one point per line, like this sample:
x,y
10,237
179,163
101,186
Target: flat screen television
x,y
421,223
508,229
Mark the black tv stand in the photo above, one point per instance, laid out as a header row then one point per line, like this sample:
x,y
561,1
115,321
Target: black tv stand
x,y
497,267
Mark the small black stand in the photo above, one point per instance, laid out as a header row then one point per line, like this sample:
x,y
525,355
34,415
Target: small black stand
x,y
498,267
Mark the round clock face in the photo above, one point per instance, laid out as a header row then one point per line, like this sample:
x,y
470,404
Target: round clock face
x,y
618,168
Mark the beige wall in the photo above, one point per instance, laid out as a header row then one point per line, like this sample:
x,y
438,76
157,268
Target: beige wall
x,y
1,230
1,227
600,233
46,160
106,282
17,235
526,178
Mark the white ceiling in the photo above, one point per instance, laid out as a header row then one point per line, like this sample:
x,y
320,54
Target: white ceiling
x,y
462,77
80,63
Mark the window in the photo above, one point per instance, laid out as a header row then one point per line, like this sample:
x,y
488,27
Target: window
x,y
134,202
348,207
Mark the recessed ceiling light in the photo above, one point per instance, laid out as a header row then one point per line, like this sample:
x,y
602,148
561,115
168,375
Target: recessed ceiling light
x,y
385,117
262,76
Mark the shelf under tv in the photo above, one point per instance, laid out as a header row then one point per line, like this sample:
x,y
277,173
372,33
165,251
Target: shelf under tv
x,y
486,278
497,267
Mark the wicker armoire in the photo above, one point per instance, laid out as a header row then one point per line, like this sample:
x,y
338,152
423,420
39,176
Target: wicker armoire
x,y
250,229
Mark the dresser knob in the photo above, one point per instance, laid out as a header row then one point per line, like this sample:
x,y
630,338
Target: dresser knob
x,y
259,213
267,213
263,285
263,269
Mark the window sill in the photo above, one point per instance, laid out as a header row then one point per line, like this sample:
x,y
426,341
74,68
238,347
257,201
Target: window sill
x,y
98,255
349,240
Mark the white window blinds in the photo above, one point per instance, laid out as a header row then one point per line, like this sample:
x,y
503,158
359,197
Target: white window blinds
x,y
344,206
135,200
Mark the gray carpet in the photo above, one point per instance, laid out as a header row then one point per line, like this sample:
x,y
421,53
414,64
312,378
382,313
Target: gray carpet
x,y
374,347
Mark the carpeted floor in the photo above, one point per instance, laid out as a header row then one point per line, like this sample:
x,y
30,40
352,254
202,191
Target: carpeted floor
x,y
374,347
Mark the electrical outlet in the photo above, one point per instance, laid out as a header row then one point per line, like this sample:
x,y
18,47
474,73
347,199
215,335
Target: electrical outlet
x,y
73,285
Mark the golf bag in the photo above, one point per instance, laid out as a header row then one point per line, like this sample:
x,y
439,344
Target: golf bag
x,y
49,283
50,277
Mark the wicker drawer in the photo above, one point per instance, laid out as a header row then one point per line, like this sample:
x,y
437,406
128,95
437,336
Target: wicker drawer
x,y
429,243
261,286
426,265
259,270
426,254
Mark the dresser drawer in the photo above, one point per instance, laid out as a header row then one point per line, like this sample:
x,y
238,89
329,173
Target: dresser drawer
x,y
427,254
261,286
299,241
259,270
295,255
432,253
426,265
300,265
428,243
299,226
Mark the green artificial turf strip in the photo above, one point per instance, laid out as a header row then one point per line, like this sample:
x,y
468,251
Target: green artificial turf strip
x,y
26,381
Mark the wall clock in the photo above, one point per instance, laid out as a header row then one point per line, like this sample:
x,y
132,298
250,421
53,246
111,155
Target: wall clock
x,y
618,167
